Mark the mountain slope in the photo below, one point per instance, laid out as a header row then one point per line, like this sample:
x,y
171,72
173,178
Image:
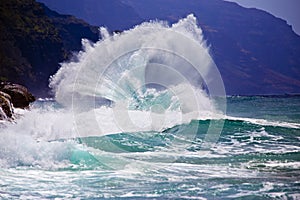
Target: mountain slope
x,y
34,40
25,34
255,52
110,13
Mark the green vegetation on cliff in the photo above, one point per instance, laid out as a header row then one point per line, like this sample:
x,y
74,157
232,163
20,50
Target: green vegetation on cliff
x,y
34,40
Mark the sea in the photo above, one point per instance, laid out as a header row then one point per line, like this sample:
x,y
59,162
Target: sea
x,y
144,114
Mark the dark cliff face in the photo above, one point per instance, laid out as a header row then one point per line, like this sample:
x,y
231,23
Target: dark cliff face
x,y
255,52
27,39
34,40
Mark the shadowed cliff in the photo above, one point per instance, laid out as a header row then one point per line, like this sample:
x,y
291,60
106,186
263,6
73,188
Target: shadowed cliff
x,y
34,40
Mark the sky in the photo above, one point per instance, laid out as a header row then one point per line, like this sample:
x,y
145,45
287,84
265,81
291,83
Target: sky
x,y
288,10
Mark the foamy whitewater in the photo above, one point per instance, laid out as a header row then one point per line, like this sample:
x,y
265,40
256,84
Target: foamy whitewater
x,y
143,114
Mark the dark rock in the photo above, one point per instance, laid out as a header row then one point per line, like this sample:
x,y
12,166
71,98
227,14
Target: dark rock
x,y
20,96
6,110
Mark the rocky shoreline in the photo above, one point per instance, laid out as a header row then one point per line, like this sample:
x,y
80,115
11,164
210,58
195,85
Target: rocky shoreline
x,y
13,96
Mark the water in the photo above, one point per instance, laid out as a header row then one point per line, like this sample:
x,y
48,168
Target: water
x,y
135,116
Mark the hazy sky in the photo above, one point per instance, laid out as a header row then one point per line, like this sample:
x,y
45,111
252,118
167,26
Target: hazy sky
x,y
285,9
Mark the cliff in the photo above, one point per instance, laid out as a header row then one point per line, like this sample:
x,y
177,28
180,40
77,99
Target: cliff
x,y
34,40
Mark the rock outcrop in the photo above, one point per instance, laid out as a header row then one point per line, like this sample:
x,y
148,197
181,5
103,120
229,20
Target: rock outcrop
x,y
6,109
13,96
20,96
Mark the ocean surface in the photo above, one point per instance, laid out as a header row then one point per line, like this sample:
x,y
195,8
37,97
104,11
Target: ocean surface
x,y
257,156
143,114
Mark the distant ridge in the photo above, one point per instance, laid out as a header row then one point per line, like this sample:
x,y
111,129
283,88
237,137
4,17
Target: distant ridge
x,y
255,52
113,14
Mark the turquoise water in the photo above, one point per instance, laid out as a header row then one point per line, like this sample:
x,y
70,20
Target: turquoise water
x,y
257,156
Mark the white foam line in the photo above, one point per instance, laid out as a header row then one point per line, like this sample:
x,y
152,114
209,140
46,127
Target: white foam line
x,y
265,122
